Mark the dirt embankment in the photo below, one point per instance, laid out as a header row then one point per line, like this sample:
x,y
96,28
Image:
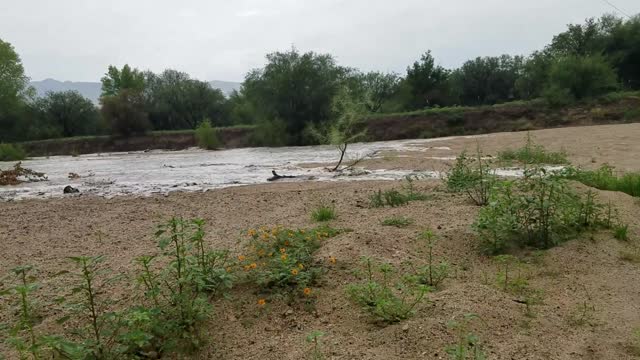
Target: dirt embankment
x,y
500,118
230,138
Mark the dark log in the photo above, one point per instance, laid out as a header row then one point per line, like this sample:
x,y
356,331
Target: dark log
x,y
278,177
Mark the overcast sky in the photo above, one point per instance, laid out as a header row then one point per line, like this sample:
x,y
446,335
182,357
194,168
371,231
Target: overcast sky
x,y
223,39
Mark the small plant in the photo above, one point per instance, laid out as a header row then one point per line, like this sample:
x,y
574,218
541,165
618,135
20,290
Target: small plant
x,y
432,274
324,213
314,338
22,336
506,279
10,152
584,312
533,153
632,256
207,136
384,296
467,345
397,221
395,198
621,232
473,177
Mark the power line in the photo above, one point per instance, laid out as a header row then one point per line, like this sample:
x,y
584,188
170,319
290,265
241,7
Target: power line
x,y
617,8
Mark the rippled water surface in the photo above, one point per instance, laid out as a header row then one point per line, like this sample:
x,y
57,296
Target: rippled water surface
x,y
153,172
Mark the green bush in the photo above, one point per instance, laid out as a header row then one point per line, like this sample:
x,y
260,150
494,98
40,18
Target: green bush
x,y
539,211
270,133
621,232
207,136
532,153
10,152
389,297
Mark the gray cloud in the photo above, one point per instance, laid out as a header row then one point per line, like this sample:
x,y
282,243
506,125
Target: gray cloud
x,y
77,39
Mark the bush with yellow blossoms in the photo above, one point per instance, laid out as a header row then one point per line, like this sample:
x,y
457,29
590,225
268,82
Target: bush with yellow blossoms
x,y
280,259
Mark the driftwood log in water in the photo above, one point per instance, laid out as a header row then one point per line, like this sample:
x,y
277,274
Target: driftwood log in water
x,y
278,177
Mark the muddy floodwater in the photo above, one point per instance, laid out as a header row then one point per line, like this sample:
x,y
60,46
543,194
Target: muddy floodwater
x,y
162,172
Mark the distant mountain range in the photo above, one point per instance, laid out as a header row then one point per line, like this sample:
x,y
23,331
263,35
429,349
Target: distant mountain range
x,y
92,90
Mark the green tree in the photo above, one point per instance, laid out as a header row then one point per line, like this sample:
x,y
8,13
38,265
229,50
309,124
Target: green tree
x,y
535,75
582,77
116,80
125,113
14,90
488,80
175,101
123,103
427,83
296,88
69,112
375,88
623,51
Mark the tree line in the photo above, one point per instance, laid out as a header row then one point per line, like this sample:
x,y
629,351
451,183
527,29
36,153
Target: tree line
x,y
297,95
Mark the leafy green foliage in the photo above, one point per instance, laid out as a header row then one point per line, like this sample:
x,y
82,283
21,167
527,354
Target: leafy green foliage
x,y
539,211
386,295
605,178
397,221
68,114
532,153
296,88
473,177
324,213
315,338
582,77
487,80
116,81
207,136
125,113
427,83
467,345
14,89
10,152
175,101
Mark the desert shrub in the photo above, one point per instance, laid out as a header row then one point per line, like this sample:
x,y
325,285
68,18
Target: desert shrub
x,y
14,176
432,274
177,284
395,198
385,294
605,179
532,153
467,345
397,221
473,177
207,136
324,213
539,211
281,261
10,152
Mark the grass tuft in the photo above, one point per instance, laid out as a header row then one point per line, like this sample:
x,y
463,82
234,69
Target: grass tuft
x,y
397,221
324,213
532,153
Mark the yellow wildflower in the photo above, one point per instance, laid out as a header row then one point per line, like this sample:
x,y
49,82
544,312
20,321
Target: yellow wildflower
x,y
283,257
294,272
306,291
262,302
332,259
253,265
283,250
241,257
301,266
